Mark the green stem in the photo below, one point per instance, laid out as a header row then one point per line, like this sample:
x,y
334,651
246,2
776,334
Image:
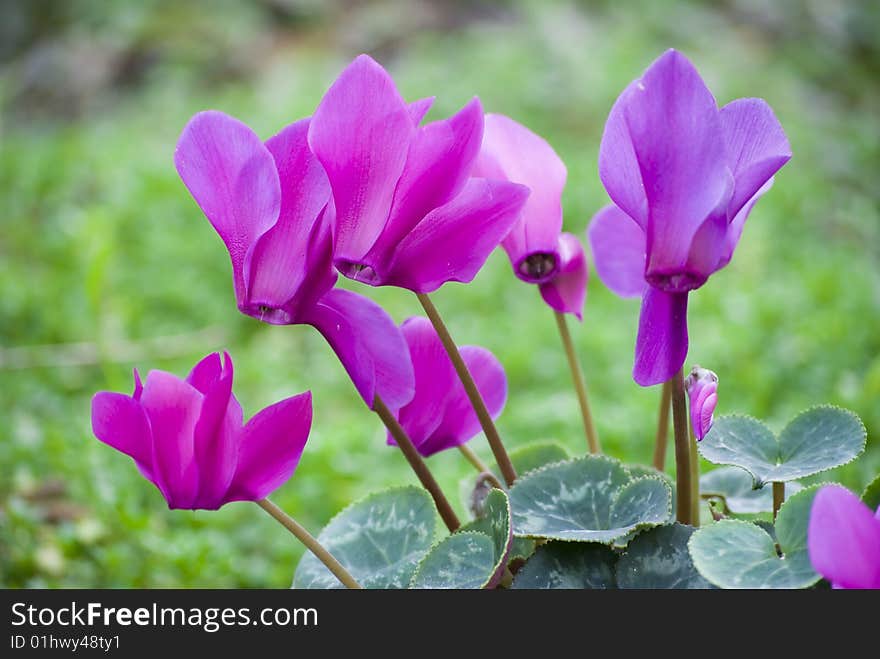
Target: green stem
x,y
580,387
662,438
470,387
695,480
778,497
682,449
473,458
418,464
310,542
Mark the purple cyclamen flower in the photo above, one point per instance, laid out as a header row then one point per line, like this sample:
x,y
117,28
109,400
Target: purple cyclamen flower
x,y
408,213
187,438
843,539
538,250
271,205
702,389
440,415
683,176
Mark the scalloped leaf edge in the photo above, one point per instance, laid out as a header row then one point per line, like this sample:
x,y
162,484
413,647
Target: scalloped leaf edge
x,y
442,540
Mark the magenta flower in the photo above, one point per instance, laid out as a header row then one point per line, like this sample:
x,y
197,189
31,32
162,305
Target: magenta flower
x,y
702,389
407,211
683,176
187,437
440,415
272,206
843,539
538,250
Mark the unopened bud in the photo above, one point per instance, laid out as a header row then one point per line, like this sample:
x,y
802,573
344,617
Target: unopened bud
x,y
702,388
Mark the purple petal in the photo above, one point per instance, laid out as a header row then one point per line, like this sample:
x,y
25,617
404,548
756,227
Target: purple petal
x,y
618,245
662,341
206,372
369,345
173,407
434,381
843,539
121,422
361,134
707,249
418,109
270,448
735,228
756,144
567,291
453,242
440,159
215,438
460,422
512,152
232,177
672,123
138,385
706,411
289,266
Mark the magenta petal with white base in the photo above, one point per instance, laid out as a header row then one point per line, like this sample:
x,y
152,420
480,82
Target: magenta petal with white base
x,y
186,436
843,539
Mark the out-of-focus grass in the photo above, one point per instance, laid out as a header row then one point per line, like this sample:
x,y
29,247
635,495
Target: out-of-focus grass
x,y
101,244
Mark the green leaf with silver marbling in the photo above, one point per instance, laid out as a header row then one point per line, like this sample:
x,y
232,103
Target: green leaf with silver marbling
x,y
735,487
379,539
659,558
568,565
461,560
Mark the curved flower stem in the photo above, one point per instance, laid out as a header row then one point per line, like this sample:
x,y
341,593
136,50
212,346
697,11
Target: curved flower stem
x,y
662,438
682,449
580,387
310,542
473,458
470,387
695,480
778,497
418,464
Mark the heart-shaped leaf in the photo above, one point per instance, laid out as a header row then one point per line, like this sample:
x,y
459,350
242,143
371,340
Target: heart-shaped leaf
x,y
871,495
738,554
449,565
559,565
587,499
735,487
659,558
379,539
818,439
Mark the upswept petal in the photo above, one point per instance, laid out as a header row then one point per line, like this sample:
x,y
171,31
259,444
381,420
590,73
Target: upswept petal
x,y
280,264
215,437
434,380
567,291
361,134
270,447
121,422
418,109
453,242
512,152
460,422
439,162
736,226
662,341
369,345
618,245
843,539
756,145
173,407
232,177
673,123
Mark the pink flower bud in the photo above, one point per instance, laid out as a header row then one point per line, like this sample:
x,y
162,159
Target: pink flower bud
x,y
702,388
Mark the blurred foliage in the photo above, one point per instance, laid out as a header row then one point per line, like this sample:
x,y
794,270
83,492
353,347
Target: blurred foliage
x,y
107,263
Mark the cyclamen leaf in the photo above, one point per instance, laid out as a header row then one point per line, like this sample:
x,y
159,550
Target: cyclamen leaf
x,y
736,487
738,554
871,495
816,440
379,539
568,565
587,499
659,558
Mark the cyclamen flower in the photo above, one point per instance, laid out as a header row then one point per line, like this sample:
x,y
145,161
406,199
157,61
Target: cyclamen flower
x,y
683,176
538,250
702,389
187,438
271,205
440,415
843,539
407,212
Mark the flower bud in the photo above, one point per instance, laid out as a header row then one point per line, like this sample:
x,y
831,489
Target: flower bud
x,y
702,389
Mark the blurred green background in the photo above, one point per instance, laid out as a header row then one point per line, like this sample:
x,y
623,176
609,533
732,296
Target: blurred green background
x,y
107,263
